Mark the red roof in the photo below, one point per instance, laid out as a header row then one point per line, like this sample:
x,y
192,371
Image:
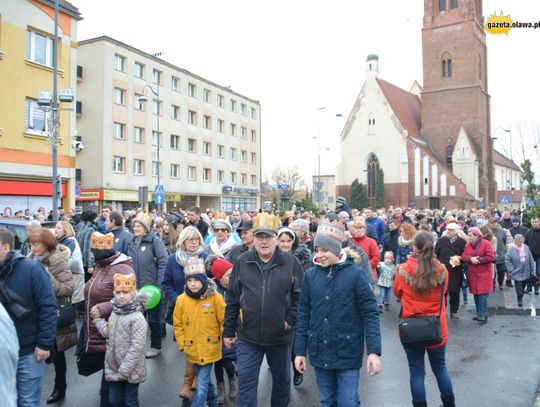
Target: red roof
x,y
406,107
499,159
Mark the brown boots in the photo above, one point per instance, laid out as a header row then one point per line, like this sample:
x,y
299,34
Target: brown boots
x,y
189,382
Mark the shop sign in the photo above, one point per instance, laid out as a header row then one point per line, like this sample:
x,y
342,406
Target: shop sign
x,y
91,195
120,195
170,197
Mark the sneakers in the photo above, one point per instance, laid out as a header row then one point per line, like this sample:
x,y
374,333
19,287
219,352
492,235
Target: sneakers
x,y
380,309
152,353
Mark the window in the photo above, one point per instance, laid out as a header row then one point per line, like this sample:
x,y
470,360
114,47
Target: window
x,y
192,173
243,179
119,63
207,174
192,145
39,48
175,84
233,105
139,70
156,169
118,164
253,113
243,109
175,142
138,135
233,153
442,5
447,68
207,148
175,112
156,106
138,166
156,76
221,126
253,158
243,133
453,3
118,130
233,129
253,180
138,104
207,122
371,123
119,96
233,178
220,175
192,117
207,95
35,119
175,170
243,156
253,135
220,100
156,138
192,90
221,151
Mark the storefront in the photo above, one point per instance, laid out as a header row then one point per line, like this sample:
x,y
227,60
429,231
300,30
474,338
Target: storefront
x,y
121,200
21,195
239,198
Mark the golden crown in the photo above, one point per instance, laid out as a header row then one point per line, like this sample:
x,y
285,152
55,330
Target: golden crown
x,y
125,282
266,221
102,242
331,231
195,266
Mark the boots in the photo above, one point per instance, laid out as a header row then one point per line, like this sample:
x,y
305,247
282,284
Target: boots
x,y
221,392
189,378
58,394
233,388
448,401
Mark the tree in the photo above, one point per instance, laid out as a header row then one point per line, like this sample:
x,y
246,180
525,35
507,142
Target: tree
x,y
306,203
289,176
358,195
379,188
528,175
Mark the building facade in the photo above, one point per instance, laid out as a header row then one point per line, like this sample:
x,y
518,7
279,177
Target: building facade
x,y
209,137
26,68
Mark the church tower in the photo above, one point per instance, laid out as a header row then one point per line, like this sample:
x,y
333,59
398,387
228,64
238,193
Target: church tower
x,y
455,91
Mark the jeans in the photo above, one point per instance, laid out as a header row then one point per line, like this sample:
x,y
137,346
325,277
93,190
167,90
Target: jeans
x,y
154,322
248,360
206,392
384,295
481,301
29,375
338,387
124,394
417,370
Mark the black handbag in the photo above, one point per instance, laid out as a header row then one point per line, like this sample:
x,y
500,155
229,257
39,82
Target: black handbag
x,y
66,313
534,281
421,331
89,363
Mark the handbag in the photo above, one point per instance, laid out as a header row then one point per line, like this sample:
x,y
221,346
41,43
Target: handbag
x,y
465,281
421,331
66,313
89,363
534,281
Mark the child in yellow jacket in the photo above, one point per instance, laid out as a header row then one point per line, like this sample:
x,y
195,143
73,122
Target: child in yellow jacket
x,y
198,326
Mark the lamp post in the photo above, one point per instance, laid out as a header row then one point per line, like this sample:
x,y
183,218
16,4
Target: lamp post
x,y
143,99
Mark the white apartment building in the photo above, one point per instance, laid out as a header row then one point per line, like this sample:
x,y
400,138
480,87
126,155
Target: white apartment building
x,y
208,136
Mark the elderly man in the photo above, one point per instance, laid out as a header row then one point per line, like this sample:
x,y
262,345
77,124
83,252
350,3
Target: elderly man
x,y
263,294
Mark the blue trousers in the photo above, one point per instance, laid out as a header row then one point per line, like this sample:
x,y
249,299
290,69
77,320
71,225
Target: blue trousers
x,y
338,387
29,375
206,392
384,295
481,302
124,394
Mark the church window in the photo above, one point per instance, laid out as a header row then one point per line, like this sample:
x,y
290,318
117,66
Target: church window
x,y
449,67
372,167
444,68
371,124
442,5
453,3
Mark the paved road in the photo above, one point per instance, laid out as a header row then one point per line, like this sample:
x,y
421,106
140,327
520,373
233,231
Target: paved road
x,y
492,365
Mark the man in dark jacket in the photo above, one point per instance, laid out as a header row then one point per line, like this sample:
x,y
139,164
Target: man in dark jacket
x,y
518,228
500,264
390,243
246,234
27,294
342,205
261,306
196,220
115,224
532,239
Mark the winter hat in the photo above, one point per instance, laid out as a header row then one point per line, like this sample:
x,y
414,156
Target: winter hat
x,y
289,231
99,241
222,223
341,200
475,231
220,267
329,237
144,220
125,282
195,269
515,219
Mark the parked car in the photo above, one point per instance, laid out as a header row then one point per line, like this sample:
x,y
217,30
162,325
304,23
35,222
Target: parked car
x,y
18,228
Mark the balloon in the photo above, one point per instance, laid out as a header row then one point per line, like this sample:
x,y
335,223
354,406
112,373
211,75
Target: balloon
x,y
154,295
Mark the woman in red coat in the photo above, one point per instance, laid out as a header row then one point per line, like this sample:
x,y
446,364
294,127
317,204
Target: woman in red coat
x,y
479,256
418,284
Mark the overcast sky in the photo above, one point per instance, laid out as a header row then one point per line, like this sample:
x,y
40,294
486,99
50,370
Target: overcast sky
x,y
296,56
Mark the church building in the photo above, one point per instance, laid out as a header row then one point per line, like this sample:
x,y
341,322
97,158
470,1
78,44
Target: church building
x,y
432,141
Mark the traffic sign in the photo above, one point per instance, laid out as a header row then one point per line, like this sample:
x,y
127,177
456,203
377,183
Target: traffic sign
x,y
317,185
283,186
158,189
159,197
531,203
504,199
77,191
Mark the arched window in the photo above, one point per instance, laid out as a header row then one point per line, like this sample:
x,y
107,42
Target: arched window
x,y
446,64
444,68
372,167
449,67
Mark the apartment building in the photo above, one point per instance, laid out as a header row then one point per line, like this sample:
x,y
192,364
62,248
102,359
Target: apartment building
x,y
26,68
201,138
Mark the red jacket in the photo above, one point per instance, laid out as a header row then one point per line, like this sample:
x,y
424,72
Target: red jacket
x,y
480,275
413,303
371,248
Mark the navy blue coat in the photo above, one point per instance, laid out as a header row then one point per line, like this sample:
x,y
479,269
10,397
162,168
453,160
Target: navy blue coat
x,y
121,239
337,311
174,279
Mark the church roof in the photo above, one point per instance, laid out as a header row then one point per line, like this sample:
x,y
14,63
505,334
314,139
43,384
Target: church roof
x,y
499,159
406,107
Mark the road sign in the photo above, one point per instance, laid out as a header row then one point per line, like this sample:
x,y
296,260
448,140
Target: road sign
x,y
77,191
531,203
317,185
504,199
159,197
283,186
158,189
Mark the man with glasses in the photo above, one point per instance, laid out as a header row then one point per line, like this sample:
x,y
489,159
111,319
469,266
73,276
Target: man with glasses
x,y
260,315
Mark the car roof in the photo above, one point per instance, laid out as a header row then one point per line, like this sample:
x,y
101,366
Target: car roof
x,y
23,222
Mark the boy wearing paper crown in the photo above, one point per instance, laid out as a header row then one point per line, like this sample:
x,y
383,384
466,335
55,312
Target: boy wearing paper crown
x,y
125,331
198,326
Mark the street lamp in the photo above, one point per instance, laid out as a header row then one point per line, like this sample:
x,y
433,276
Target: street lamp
x,y
143,99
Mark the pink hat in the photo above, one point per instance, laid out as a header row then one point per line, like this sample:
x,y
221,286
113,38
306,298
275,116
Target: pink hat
x,y
475,231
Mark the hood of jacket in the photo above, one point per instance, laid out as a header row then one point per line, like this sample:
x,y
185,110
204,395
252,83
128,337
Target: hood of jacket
x,y
211,290
57,257
343,258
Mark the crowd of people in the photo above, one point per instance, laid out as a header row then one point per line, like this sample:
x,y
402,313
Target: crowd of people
x,y
303,286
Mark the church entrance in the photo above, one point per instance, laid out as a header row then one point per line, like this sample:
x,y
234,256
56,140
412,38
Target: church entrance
x,y
372,167
434,203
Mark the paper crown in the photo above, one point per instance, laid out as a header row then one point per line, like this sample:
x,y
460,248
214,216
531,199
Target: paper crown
x,y
332,231
265,223
101,241
195,266
125,282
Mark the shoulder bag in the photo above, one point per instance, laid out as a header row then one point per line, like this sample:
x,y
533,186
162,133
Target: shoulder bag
x,y
66,313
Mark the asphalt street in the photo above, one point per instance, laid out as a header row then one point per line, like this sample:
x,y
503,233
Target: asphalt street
x,y
497,364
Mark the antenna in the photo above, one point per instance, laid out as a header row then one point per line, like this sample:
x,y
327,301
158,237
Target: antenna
x,y
158,54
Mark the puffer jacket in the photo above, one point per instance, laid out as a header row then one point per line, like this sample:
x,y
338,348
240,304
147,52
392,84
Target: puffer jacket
x,y
126,338
198,325
500,234
149,257
99,291
520,271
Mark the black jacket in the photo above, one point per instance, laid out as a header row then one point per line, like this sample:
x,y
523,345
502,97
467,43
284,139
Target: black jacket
x,y
532,239
391,242
235,253
259,303
202,226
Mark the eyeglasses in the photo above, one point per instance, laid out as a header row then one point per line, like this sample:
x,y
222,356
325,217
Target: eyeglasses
x,y
220,230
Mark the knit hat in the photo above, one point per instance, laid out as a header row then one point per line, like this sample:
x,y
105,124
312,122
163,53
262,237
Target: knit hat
x,y
220,267
265,224
475,231
144,220
287,230
341,200
99,241
125,282
195,269
175,219
330,238
515,219
222,223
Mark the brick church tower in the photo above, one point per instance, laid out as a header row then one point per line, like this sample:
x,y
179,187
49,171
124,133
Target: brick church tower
x,y
455,91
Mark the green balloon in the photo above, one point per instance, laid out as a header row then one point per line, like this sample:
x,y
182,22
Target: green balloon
x,y
154,295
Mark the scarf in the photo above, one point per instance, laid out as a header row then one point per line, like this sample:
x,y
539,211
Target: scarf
x,y
183,256
221,250
521,250
404,242
124,309
198,295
